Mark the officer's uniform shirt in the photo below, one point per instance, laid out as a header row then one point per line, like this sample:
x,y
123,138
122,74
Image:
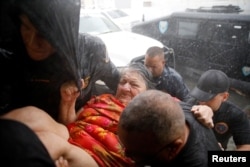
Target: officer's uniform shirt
x,y
171,82
229,121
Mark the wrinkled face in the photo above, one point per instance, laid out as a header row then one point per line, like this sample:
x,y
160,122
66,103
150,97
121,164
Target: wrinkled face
x,y
155,65
216,101
131,84
37,47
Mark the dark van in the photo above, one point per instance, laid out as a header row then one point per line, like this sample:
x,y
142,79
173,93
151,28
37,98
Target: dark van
x,y
206,39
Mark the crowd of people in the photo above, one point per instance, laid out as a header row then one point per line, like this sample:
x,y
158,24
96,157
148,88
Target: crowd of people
x,y
50,116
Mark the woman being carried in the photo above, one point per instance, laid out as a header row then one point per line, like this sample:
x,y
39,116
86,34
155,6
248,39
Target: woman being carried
x,y
95,125
93,128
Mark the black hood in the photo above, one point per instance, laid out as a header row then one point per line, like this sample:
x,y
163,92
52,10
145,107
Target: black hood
x,y
58,22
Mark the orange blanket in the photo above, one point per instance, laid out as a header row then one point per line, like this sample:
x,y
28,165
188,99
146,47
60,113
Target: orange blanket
x,y
95,131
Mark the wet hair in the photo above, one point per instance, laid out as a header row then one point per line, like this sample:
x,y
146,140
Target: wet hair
x,y
155,50
142,71
155,113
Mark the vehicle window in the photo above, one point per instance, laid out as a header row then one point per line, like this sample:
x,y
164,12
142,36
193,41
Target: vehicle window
x,y
116,14
229,33
96,25
188,29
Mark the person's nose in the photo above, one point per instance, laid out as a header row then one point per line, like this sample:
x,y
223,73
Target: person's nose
x,y
127,86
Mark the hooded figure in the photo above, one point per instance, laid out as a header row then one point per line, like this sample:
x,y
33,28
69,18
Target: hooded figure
x,y
53,24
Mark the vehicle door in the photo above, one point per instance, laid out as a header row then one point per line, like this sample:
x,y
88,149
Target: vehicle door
x,y
228,48
187,44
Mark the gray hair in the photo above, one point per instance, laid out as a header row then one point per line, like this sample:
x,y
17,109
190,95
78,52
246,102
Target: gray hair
x,y
142,71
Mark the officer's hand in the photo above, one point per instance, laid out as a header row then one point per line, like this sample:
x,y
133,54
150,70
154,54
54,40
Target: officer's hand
x,y
204,115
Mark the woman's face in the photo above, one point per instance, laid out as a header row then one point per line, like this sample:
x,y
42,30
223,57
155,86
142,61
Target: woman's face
x,y
131,84
37,47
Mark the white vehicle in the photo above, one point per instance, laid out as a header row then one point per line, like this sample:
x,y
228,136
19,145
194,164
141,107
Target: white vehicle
x,y
122,46
122,18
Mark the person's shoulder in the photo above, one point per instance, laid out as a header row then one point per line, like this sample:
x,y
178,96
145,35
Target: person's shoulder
x,y
232,111
229,106
171,69
171,72
186,107
94,47
91,39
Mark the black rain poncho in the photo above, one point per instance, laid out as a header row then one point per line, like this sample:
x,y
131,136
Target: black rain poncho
x,y
58,22
27,82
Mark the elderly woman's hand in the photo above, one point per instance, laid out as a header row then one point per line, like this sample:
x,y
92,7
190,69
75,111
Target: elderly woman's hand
x,y
204,115
69,94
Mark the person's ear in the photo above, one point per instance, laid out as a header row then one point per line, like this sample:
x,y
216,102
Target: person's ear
x,y
174,149
225,96
164,62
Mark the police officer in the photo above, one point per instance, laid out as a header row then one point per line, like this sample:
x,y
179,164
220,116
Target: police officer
x,y
229,120
166,78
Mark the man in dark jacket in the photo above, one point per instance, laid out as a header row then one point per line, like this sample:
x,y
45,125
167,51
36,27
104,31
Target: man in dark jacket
x,y
156,132
166,78
45,51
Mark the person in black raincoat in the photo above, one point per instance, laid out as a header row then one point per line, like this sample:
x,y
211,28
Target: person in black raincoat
x,y
45,50
40,49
